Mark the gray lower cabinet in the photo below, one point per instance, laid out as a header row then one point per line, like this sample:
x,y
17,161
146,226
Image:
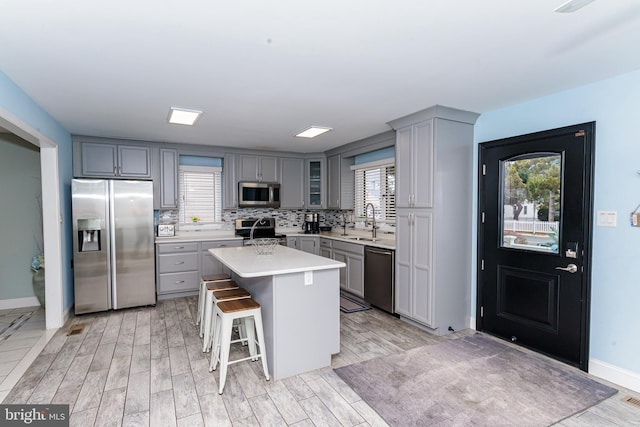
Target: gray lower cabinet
x,y
208,263
326,250
309,244
292,242
114,160
177,267
352,276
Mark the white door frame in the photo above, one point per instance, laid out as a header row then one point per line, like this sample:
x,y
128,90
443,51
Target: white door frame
x,y
51,214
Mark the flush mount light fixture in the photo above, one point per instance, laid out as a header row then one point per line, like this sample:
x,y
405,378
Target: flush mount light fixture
x,y
182,116
572,6
313,131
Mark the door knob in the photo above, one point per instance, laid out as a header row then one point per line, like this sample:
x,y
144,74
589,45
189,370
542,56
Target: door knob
x,y
571,268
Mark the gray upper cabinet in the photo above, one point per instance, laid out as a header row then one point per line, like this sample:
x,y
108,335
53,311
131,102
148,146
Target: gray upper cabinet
x,y
115,161
230,181
340,183
414,165
315,183
168,179
292,184
333,179
258,168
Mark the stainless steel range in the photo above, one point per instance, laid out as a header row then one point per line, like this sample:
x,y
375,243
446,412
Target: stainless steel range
x,y
265,227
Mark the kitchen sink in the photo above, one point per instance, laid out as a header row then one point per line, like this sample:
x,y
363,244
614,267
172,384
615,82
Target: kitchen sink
x,y
364,239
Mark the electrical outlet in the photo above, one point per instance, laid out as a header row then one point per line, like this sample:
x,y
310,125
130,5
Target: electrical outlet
x,y
308,278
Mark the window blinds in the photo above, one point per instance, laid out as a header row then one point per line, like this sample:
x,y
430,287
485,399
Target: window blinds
x,y
200,193
376,185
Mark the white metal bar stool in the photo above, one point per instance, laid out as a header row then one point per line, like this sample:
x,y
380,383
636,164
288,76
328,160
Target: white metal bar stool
x,y
213,297
243,309
222,280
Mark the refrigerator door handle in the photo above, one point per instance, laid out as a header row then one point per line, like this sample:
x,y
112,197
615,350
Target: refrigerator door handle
x,y
112,242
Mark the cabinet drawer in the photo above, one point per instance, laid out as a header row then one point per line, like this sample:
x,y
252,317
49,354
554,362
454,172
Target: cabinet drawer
x,y
221,244
349,247
164,248
325,243
179,282
172,263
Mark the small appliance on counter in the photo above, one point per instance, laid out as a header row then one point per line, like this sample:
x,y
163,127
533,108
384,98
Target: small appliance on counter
x,y
311,223
166,230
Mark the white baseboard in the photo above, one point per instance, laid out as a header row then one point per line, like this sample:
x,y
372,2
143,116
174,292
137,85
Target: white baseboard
x,y
615,374
7,304
472,323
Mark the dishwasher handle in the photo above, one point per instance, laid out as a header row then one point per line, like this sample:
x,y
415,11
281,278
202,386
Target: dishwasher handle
x,y
379,252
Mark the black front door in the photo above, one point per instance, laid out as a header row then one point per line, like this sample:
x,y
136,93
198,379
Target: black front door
x,y
534,240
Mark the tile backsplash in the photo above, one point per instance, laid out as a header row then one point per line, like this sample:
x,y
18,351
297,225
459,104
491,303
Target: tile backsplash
x,y
285,218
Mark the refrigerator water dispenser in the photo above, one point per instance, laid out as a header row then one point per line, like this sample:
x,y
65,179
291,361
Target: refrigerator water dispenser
x,y
88,235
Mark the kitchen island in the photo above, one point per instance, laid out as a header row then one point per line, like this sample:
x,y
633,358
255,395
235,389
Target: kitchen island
x,y
300,298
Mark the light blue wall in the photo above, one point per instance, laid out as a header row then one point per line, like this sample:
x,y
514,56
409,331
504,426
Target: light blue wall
x,y
614,105
17,102
20,213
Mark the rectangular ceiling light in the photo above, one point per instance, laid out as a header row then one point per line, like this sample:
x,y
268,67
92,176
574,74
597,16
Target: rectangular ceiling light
x,y
182,116
572,6
313,131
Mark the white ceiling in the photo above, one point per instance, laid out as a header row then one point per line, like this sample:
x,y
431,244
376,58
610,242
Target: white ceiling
x,y
262,70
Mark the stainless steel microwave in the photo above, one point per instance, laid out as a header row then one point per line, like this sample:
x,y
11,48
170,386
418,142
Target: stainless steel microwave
x,y
258,194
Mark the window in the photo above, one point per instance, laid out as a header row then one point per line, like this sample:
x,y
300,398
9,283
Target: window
x,y
200,193
375,183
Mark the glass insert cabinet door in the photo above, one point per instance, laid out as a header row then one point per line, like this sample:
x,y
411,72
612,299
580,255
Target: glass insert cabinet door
x,y
530,202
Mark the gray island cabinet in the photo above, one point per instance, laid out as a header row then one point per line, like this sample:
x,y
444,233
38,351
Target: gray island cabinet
x,y
300,298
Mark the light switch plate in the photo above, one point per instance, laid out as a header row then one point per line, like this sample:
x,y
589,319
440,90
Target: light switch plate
x,y
607,219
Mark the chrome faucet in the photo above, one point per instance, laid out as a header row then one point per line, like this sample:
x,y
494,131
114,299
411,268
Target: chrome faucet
x,y
373,219
344,224
253,227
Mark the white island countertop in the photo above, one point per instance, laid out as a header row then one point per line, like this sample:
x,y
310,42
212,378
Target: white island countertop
x,y
245,262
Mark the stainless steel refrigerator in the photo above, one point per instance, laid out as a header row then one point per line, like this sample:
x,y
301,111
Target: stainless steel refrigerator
x,y
113,245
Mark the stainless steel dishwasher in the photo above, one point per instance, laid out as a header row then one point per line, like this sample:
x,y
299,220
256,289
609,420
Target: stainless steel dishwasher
x,y
379,278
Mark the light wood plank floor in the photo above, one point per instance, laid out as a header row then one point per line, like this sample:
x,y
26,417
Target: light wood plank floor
x,y
145,367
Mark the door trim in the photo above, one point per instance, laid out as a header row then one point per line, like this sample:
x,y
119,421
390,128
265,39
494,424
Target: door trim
x,y
587,217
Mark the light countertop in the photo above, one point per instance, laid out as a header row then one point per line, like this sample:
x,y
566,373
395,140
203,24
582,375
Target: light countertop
x,y
245,262
199,236
387,241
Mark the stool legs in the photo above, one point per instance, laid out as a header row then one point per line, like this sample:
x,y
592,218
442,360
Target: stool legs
x,y
225,337
205,325
263,351
252,319
201,296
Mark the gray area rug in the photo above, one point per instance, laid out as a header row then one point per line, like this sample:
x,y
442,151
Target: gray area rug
x,y
352,305
473,380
